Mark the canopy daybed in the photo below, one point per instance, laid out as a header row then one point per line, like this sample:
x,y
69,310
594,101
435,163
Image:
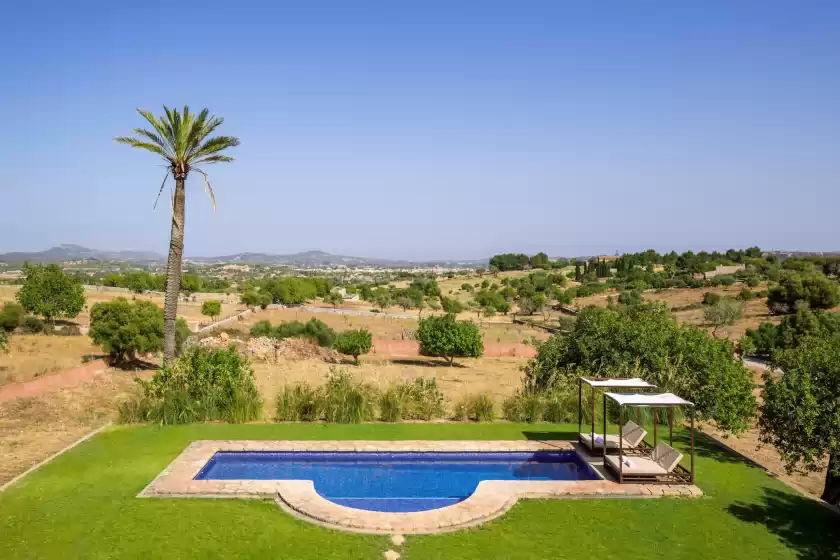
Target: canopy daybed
x,y
661,463
632,433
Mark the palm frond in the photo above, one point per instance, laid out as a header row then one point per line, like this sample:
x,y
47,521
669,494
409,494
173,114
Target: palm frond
x,y
135,143
207,187
214,145
217,158
165,177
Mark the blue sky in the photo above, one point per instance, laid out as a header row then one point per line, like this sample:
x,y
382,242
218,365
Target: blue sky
x,y
430,129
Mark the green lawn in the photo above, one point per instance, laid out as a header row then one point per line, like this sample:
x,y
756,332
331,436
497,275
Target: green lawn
x,y
82,505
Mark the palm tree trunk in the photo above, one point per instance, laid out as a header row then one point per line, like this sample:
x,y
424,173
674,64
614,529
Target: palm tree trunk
x,y
173,270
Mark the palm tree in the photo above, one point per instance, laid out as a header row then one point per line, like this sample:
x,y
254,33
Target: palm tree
x,y
181,139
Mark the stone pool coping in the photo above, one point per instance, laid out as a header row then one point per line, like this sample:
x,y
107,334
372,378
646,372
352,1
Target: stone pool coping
x,y
298,497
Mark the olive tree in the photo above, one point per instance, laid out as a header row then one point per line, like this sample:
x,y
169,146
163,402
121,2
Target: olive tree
x,y
211,308
334,298
354,343
800,415
819,291
125,328
51,293
724,312
445,337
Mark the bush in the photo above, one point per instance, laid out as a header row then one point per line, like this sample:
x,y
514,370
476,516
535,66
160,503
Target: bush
x,y
262,328
447,338
817,290
746,295
725,312
250,298
792,331
34,325
11,316
298,402
481,408
345,401
417,400
200,386
125,328
451,305
354,343
631,298
711,298
524,406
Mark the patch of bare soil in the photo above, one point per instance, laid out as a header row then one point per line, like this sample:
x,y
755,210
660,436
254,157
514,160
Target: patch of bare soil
x,y
33,428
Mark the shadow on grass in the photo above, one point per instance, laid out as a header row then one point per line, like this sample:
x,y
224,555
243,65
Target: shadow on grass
x,y
706,446
552,435
136,365
426,363
802,524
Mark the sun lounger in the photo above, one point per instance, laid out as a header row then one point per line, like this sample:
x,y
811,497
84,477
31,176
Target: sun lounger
x,y
663,459
632,432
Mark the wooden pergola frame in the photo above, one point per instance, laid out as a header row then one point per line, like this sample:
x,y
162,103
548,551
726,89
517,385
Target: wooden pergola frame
x,y
594,383
679,475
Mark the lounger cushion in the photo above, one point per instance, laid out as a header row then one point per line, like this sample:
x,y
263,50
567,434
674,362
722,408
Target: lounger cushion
x,y
666,456
638,466
633,436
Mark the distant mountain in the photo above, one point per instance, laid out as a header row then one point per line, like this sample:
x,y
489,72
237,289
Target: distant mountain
x,y
318,259
70,252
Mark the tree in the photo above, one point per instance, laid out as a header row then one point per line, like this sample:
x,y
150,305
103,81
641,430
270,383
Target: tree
x,y
800,415
531,304
354,343
646,341
445,337
819,291
793,329
632,297
125,328
540,260
182,140
334,298
211,308
51,293
725,312
250,298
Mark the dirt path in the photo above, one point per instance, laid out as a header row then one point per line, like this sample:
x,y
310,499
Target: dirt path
x,y
50,383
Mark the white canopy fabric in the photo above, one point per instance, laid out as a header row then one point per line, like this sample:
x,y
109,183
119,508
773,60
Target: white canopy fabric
x,y
648,399
635,383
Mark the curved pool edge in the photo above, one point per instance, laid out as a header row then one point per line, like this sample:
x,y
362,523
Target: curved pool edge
x,y
299,498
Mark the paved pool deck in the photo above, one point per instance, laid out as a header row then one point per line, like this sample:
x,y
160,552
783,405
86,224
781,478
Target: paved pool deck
x,y
491,498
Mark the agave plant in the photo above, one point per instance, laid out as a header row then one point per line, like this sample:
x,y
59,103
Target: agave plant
x,y
183,140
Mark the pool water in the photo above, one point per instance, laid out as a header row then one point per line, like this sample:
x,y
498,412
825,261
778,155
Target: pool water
x,y
395,482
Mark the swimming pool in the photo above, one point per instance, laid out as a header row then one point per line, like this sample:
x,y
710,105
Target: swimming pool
x,y
396,481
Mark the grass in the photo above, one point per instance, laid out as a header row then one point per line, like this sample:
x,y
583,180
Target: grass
x,y
83,505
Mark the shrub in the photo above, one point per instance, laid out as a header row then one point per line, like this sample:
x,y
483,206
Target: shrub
x,y
334,298
354,343
346,401
416,400
451,305
262,328
746,295
319,332
200,386
34,325
725,312
819,291
11,316
298,402
524,406
631,298
447,338
482,408
125,328
711,298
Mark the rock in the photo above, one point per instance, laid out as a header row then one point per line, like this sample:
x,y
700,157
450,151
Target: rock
x,y
391,555
398,540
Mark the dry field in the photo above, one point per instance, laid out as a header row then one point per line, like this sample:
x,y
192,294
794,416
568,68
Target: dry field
x,y
499,377
34,355
32,429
